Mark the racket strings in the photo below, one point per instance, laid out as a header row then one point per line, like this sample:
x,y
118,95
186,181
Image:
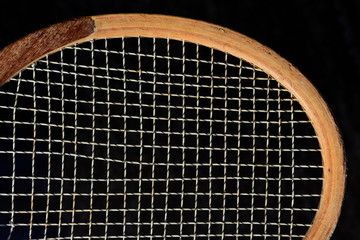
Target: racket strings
x,y
154,138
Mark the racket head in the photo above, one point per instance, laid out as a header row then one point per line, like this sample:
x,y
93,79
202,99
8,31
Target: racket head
x,y
29,49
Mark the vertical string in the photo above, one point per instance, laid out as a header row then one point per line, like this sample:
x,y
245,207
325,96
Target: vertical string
x,y
267,155
197,140
183,140
62,144
153,142
93,131
292,165
253,154
125,137
108,128
33,152
75,144
12,223
280,162
211,137
141,139
238,154
49,148
14,159
225,146
168,139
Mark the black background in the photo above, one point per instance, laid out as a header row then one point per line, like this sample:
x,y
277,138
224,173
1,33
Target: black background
x,y
321,38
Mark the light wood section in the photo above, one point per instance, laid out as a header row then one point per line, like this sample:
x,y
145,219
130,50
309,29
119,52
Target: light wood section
x,y
133,25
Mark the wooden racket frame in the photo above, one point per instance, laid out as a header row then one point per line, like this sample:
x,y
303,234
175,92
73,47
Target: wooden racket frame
x,y
27,50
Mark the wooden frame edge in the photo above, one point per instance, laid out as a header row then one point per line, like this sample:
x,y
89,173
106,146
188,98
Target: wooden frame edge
x,y
32,47
17,56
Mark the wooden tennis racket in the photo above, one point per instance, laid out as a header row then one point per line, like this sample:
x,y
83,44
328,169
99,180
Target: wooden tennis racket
x,y
156,127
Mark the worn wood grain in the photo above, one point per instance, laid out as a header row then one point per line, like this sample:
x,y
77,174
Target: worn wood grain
x,y
23,52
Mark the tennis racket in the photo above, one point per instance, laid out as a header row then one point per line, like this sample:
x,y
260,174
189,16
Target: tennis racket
x,y
155,127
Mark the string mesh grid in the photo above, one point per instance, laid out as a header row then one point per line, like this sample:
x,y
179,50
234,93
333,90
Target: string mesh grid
x,y
147,138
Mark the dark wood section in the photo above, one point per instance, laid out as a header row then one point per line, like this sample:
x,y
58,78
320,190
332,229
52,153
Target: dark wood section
x,y
23,52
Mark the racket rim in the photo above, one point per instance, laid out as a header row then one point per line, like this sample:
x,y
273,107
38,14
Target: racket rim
x,y
48,40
